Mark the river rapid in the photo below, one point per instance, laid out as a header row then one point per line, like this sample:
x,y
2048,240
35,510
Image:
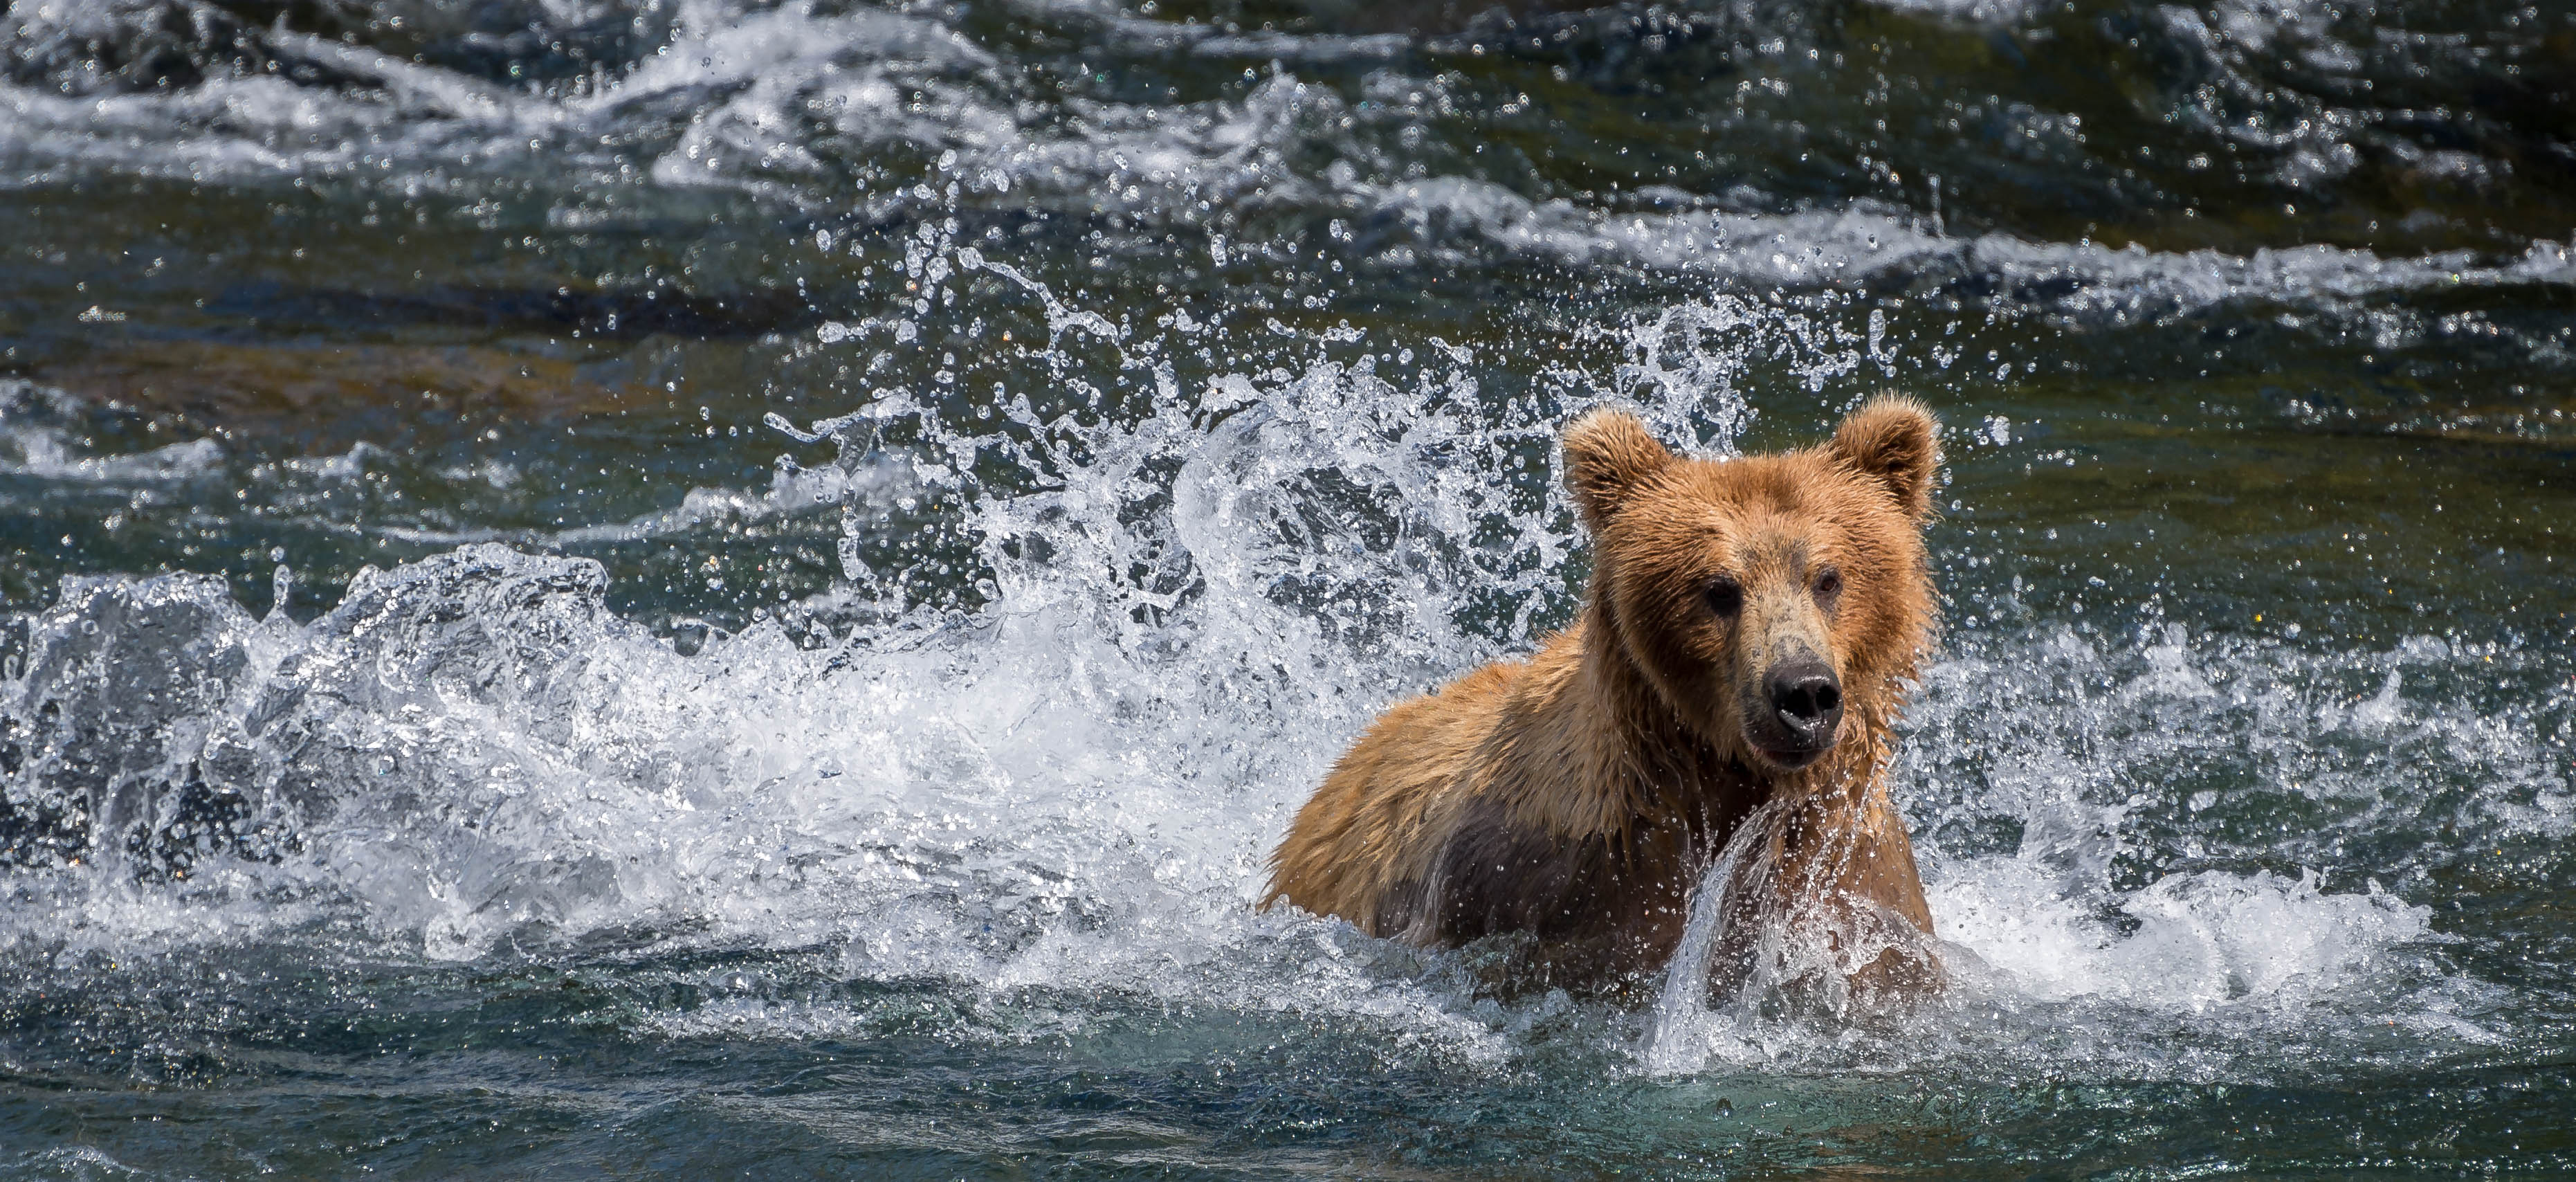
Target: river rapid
x,y
676,587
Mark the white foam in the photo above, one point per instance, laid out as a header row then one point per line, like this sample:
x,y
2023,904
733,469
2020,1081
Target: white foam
x,y
347,467
34,441
1858,244
792,490
1988,12
733,99
2202,939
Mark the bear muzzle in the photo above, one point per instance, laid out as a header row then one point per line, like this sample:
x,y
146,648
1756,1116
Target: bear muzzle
x,y
1802,708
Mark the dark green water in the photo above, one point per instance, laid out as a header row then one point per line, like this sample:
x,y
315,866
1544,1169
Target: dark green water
x,y
711,587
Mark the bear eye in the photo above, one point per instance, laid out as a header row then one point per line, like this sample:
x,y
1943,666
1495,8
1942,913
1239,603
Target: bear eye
x,y
1725,597
1829,587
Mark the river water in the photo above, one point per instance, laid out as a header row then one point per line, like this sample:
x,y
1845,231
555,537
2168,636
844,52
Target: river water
x,y
667,587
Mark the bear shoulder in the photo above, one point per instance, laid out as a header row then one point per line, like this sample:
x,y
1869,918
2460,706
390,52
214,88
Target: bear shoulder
x,y
1368,829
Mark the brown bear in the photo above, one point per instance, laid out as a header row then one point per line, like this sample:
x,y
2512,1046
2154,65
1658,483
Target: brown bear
x,y
1751,628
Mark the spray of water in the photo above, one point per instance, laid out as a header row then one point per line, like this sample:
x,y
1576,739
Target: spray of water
x,y
1184,613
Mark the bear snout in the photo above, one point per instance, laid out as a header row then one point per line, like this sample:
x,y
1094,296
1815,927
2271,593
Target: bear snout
x,y
1804,707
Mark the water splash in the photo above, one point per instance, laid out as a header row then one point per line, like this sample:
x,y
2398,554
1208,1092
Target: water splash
x,y
1678,1039
1069,780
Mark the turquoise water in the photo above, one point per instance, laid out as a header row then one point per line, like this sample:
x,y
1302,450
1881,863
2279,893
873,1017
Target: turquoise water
x,y
676,588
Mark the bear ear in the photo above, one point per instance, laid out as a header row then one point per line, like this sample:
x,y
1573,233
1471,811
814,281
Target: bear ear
x,y
1896,442
1608,454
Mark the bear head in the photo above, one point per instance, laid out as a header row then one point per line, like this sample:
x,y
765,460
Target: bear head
x,y
1764,598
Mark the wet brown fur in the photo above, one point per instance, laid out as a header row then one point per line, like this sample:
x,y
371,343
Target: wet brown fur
x,y
1577,795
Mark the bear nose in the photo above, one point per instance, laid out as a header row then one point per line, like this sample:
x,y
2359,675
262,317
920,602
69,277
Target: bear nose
x,y
1807,698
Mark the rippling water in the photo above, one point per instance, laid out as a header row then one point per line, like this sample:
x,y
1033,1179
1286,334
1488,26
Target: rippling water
x,y
678,586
